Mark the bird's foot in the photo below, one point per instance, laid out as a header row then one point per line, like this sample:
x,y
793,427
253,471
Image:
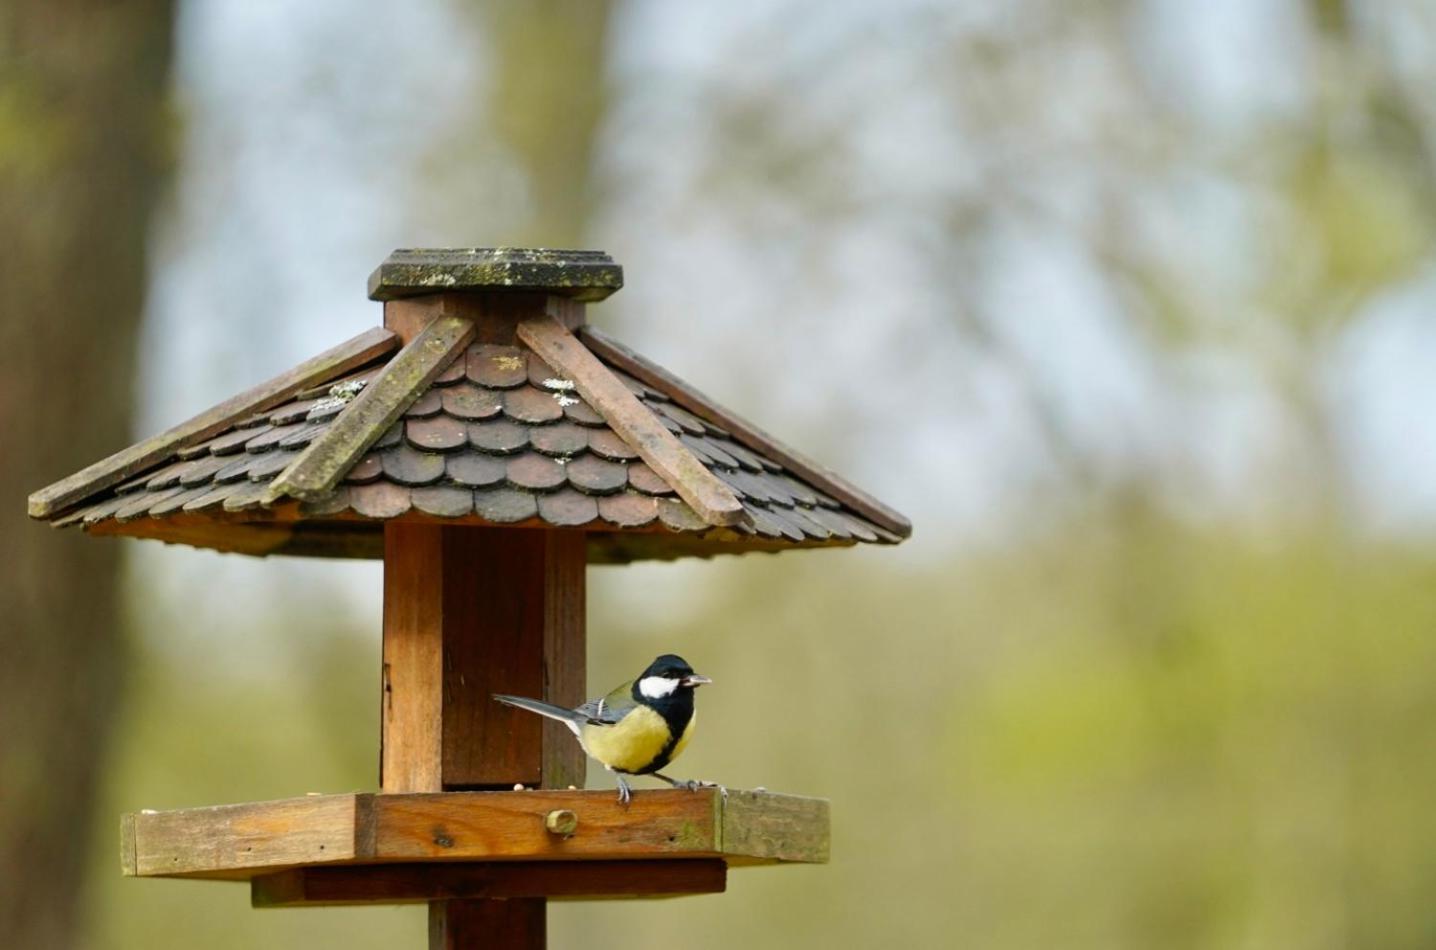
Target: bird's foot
x,y
625,793
692,784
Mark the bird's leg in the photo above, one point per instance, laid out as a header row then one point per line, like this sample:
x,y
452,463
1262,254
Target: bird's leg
x,y
692,785
625,793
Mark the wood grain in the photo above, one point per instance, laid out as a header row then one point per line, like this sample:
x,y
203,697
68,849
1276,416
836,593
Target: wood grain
x,y
745,432
470,612
411,883
367,346
319,467
705,494
229,840
411,711
240,841
470,925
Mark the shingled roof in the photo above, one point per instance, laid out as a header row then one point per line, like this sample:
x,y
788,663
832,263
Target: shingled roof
x,y
463,431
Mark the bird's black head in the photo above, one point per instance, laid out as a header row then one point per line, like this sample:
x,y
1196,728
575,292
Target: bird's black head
x,y
666,675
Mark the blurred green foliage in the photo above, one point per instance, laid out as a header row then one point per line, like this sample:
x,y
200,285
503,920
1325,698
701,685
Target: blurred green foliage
x,y
1125,733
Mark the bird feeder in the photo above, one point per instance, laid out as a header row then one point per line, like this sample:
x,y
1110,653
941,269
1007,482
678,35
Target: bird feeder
x,y
487,444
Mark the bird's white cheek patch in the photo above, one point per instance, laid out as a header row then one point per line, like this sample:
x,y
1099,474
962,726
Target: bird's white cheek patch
x,y
656,687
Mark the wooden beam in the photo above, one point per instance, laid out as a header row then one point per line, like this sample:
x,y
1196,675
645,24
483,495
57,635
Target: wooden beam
x,y
469,612
412,883
470,925
746,432
319,467
411,705
353,353
714,501
232,842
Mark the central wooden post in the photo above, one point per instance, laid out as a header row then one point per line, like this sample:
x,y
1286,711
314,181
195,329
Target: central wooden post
x,y
469,612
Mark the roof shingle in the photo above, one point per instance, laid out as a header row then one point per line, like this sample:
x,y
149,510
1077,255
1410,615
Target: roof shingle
x,y
497,437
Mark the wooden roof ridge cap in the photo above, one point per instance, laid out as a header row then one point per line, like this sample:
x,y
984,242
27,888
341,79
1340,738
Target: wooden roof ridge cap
x,y
634,422
318,468
681,392
110,471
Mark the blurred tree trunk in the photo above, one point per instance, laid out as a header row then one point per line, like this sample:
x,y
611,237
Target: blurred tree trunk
x,y
548,98
83,146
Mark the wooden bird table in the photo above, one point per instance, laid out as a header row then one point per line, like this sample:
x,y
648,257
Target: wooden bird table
x,y
488,445
469,612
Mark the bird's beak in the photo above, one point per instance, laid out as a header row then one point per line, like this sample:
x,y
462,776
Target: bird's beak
x,y
694,680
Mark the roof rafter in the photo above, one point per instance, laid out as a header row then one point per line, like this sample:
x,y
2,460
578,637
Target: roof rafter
x,y
320,466
127,462
755,438
714,501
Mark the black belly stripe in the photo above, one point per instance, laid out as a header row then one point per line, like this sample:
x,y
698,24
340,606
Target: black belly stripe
x,y
677,725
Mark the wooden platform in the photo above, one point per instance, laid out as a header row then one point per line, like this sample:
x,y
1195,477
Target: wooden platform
x,y
378,848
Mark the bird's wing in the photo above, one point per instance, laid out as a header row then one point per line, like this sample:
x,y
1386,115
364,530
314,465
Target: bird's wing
x,y
610,708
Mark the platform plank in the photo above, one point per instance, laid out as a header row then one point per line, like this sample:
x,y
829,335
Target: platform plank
x,y
238,842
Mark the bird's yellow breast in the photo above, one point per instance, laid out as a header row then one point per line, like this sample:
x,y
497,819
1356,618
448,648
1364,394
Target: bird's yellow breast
x,y
632,744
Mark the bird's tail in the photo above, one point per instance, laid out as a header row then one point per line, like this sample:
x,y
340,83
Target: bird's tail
x,y
566,716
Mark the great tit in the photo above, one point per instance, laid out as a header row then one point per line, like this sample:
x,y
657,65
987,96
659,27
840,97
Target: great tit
x,y
639,727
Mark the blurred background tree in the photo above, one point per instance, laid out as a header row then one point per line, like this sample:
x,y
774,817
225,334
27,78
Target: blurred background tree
x,y
1125,302
84,155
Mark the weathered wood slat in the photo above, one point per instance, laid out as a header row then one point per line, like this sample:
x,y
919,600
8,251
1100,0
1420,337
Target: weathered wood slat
x,y
242,841
319,467
746,432
367,346
412,883
714,501
234,839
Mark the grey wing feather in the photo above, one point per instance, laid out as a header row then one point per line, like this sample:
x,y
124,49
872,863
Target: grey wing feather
x,y
611,708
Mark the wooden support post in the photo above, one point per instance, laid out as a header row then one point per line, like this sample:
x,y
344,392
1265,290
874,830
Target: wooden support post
x,y
469,612
471,925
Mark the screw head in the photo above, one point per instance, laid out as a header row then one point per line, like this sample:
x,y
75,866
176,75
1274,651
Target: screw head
x,y
561,821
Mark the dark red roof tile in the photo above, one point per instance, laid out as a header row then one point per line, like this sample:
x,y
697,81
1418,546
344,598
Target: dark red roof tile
x,y
408,466
426,405
334,503
646,480
497,367
561,439
678,516
540,372
268,465
303,436
527,404
581,412
444,501
233,441
467,401
597,476
453,373
505,505
608,444
686,420
245,496
501,436
476,470
567,508
441,433
293,411
166,477
628,509
236,469
271,437
535,472
392,436
366,469
201,471
380,499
